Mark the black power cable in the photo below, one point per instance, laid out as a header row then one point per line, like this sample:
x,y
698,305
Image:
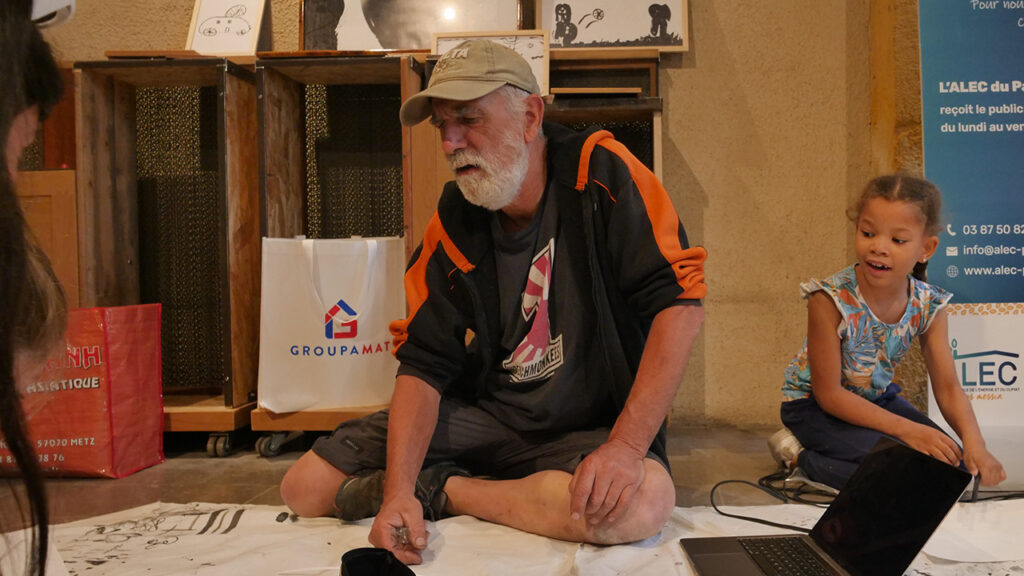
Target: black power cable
x,y
774,485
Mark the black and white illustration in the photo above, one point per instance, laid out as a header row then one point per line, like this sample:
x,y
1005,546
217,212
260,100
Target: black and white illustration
x,y
398,24
225,27
232,22
661,24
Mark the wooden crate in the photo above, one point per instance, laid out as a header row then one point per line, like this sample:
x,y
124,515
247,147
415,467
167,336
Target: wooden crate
x,y
109,218
284,83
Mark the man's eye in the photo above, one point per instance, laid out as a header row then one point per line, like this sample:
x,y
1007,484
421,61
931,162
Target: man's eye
x,y
867,234
899,240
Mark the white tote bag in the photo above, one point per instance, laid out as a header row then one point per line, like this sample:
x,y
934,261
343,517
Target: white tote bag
x,y
324,315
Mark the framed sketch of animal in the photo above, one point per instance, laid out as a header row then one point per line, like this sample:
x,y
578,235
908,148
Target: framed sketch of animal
x,y
661,24
226,27
361,25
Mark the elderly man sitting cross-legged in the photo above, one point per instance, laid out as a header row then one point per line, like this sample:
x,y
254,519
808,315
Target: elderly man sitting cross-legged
x,y
553,304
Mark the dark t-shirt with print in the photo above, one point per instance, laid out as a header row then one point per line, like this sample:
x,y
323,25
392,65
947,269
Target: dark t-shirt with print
x,y
550,376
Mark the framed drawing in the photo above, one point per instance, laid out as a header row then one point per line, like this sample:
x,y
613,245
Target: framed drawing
x,y
225,27
530,44
662,24
398,24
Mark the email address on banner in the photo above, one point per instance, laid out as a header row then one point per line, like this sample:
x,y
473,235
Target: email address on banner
x,y
985,250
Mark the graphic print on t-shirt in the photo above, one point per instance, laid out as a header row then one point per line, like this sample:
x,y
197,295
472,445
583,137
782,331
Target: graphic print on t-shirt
x,y
538,355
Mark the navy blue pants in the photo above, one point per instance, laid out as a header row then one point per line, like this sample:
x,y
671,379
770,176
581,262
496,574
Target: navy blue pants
x,y
833,448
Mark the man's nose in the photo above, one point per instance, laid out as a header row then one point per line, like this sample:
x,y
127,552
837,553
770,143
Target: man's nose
x,y
453,138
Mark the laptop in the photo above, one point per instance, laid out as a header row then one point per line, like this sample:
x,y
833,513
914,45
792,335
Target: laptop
x,y
877,524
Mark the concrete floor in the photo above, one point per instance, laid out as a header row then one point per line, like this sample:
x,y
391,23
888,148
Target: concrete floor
x,y
699,457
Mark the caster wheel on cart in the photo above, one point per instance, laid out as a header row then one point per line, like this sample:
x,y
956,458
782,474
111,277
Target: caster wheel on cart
x,y
270,444
219,445
264,447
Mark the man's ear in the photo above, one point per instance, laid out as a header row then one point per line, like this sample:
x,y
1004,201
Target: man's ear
x,y
534,117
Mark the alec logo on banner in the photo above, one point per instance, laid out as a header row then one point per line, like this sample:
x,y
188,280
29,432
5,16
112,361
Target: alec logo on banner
x,y
988,348
335,328
986,374
987,351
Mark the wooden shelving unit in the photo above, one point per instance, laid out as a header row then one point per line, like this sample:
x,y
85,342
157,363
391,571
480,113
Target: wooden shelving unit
x,y
111,261
282,81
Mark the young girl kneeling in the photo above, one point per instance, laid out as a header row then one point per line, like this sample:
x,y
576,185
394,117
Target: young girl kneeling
x,y
840,396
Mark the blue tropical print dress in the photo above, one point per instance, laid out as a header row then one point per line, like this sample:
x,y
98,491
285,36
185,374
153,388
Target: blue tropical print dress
x,y
871,349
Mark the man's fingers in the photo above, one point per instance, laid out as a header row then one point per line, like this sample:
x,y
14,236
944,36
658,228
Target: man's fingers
x,y
408,556
607,503
624,500
583,482
416,531
598,494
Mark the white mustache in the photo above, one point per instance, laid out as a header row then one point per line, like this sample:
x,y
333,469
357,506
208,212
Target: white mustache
x,y
462,158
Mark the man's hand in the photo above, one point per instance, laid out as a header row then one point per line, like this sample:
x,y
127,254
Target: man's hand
x,y
980,461
399,527
932,442
604,483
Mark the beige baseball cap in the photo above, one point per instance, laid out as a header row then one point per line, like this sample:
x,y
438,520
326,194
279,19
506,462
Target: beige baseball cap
x,y
472,69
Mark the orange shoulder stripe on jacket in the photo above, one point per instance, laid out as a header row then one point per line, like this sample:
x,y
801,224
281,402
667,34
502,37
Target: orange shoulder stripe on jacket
x,y
416,290
687,263
588,148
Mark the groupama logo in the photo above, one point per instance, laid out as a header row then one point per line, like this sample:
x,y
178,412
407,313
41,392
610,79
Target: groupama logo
x,y
337,329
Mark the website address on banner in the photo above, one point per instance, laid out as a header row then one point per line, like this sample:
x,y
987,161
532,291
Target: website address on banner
x,y
993,271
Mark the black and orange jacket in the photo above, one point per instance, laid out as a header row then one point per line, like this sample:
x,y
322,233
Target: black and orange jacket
x,y
608,202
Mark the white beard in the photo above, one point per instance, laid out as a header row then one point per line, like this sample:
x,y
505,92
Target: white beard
x,y
501,173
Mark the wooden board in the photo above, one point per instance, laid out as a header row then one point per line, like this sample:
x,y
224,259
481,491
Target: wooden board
x,y
423,165
351,70
601,91
190,72
154,55
108,249
196,413
604,54
282,166
48,201
59,129
266,420
607,109
243,234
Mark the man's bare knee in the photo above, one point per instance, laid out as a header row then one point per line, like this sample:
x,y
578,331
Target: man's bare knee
x,y
650,510
309,486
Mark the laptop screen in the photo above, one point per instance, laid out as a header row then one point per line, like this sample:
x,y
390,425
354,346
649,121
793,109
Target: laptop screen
x,y
888,509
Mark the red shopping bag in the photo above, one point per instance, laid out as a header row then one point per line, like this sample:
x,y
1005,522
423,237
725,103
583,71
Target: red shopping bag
x,y
97,410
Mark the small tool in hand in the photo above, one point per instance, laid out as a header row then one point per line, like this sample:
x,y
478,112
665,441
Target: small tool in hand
x,y
402,535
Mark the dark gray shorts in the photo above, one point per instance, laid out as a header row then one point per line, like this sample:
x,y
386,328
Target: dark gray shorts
x,y
470,437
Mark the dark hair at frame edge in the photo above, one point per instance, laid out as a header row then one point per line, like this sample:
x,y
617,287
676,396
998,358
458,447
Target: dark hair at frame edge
x,y
906,188
27,60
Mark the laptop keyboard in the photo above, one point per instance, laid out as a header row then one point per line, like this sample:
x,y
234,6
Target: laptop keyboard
x,y
785,557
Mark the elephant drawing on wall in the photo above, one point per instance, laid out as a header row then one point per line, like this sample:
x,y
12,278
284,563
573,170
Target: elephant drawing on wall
x,y
564,28
660,15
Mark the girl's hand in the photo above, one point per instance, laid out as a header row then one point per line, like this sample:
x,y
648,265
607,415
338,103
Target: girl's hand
x,y
932,442
980,461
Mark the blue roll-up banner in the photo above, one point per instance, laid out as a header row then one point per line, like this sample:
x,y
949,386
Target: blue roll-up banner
x,y
972,84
